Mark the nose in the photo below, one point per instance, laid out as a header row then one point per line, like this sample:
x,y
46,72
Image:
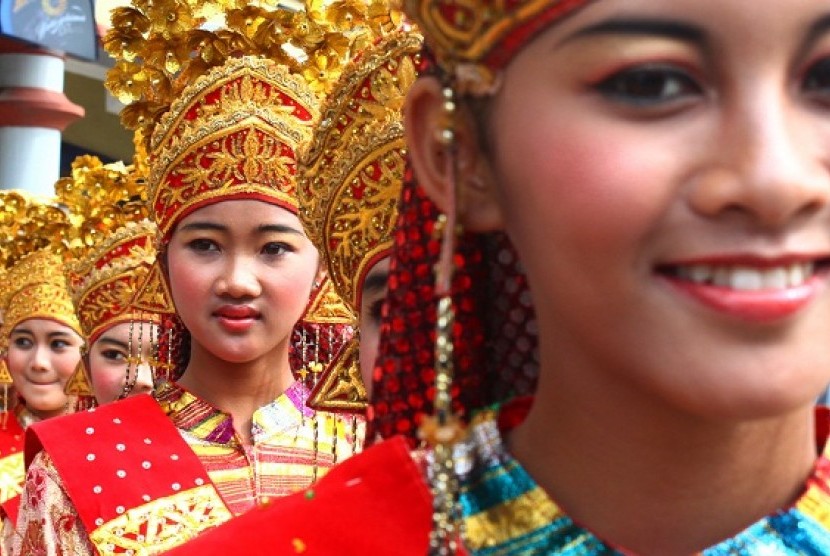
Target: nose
x,y
239,279
40,359
771,165
144,378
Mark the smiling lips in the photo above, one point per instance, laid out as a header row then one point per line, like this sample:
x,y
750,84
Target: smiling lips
x,y
761,291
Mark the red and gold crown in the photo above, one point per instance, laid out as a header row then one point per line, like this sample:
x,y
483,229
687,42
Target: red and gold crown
x,y
32,241
350,180
225,110
111,246
472,39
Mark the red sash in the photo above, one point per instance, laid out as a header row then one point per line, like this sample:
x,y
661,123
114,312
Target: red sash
x,y
119,464
373,503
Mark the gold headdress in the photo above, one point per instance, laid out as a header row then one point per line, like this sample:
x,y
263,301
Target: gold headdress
x,y
350,180
34,285
111,246
225,111
473,39
225,93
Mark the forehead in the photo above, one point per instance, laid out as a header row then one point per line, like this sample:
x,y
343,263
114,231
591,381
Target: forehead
x,y
240,213
41,326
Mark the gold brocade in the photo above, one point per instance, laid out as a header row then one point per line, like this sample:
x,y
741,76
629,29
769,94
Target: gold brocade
x,y
36,288
161,524
12,476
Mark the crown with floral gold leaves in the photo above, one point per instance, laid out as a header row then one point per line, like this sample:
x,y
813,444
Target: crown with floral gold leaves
x,y
111,246
32,242
473,39
224,111
350,180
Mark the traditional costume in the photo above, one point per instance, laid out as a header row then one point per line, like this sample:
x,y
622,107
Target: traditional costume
x,y
33,286
470,360
223,113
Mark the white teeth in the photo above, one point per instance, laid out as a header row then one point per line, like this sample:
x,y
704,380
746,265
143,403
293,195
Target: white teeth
x,y
745,278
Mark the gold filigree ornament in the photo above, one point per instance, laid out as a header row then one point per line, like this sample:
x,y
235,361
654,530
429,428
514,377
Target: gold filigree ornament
x,y
32,243
351,176
474,39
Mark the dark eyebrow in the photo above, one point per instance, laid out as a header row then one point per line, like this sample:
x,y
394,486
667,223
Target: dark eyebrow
x,y
114,342
817,30
262,228
280,229
670,29
375,282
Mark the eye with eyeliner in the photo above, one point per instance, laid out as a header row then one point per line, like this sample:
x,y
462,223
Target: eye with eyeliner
x,y
649,86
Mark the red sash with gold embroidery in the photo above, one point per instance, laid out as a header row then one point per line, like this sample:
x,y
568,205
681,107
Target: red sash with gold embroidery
x,y
131,477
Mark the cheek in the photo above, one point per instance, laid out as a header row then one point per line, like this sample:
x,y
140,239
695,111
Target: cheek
x,y
187,284
66,363
589,186
16,362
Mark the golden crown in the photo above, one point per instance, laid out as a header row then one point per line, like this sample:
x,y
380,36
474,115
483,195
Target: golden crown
x,y
350,180
351,173
32,240
223,111
471,39
35,287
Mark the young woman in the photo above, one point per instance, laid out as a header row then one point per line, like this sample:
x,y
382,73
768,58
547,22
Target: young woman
x,y
42,344
231,430
661,167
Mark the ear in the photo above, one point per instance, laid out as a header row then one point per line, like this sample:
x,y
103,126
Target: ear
x,y
476,198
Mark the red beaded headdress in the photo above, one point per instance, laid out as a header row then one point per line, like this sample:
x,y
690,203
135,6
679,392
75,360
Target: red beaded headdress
x,y
351,175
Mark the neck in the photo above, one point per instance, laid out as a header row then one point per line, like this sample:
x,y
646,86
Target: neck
x,y
238,389
638,474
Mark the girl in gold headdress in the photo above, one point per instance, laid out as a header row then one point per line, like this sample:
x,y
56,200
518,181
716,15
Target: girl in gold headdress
x,y
40,334
661,167
230,430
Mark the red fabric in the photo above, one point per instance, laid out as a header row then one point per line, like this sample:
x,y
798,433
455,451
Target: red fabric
x,y
11,436
373,503
117,457
10,508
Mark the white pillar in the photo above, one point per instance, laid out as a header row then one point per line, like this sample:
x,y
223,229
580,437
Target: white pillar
x,y
33,113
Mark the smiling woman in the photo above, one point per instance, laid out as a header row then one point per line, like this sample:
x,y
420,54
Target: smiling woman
x,y
661,168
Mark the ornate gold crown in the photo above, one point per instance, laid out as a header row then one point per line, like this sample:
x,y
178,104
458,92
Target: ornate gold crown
x,y
32,239
232,134
223,111
35,287
473,38
350,180
111,245
351,174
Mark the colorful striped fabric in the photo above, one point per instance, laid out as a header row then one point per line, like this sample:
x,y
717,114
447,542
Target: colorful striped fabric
x,y
507,514
293,445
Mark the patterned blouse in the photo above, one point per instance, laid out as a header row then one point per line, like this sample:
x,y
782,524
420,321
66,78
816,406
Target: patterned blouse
x,y
292,447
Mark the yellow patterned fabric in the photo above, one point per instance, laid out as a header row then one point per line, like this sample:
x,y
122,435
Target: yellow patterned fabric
x,y
293,445
154,527
12,474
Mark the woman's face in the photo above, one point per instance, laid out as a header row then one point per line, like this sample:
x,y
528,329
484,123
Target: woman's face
x,y
117,355
241,273
664,171
42,356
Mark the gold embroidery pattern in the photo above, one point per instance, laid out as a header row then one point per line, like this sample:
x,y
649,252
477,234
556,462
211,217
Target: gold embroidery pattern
x,y
475,33
36,288
162,524
234,132
12,476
